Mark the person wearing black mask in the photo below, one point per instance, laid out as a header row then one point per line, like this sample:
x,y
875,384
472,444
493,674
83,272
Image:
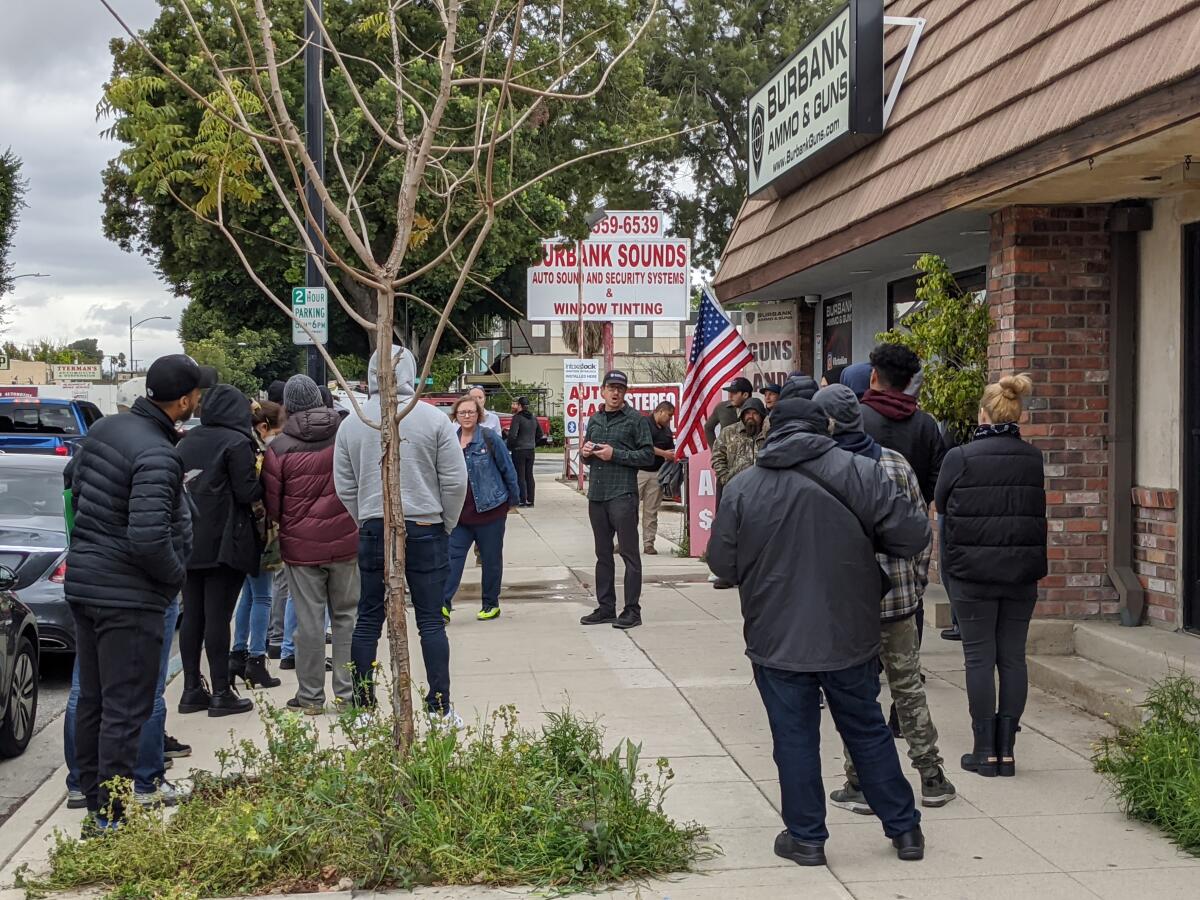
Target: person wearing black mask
x,y
797,533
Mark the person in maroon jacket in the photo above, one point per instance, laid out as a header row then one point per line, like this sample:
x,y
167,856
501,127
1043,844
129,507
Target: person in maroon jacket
x,y
317,539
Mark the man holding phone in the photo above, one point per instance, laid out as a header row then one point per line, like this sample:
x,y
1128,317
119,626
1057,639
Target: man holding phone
x,y
616,446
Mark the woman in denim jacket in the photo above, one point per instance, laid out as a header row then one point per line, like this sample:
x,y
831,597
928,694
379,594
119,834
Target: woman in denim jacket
x,y
493,491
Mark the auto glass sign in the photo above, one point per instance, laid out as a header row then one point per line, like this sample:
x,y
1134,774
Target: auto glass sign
x,y
824,103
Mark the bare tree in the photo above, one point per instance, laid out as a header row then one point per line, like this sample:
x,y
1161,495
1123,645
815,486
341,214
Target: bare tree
x,y
508,61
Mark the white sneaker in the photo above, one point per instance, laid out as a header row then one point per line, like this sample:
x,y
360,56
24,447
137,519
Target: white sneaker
x,y
364,719
167,794
448,721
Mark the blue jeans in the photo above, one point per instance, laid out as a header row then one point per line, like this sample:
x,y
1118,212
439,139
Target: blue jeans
x,y
253,614
288,647
490,540
793,709
426,567
149,769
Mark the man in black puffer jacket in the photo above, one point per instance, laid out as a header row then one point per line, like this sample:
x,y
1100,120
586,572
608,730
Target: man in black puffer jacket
x,y
127,561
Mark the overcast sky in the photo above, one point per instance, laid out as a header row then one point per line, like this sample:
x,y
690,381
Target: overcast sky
x,y
53,61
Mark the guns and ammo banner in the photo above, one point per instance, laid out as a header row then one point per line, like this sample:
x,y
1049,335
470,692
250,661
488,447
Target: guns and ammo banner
x,y
769,330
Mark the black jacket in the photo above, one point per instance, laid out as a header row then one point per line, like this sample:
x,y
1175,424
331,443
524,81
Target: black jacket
x,y
917,438
523,431
223,455
133,524
801,559
991,499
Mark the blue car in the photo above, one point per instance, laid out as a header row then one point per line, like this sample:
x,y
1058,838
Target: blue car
x,y
45,426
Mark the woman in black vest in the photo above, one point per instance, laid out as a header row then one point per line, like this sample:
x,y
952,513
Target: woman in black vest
x,y
991,501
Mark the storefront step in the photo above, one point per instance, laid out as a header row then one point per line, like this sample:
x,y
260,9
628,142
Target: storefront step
x,y
1094,688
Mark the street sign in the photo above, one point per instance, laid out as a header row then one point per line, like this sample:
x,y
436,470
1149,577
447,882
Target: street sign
x,y
4,363
645,225
581,371
75,373
310,306
623,281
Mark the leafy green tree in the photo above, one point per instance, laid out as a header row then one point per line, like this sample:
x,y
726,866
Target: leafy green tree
x,y
12,201
713,55
87,350
240,358
948,329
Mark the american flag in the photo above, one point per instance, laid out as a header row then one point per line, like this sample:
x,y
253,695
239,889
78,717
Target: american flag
x,y
718,353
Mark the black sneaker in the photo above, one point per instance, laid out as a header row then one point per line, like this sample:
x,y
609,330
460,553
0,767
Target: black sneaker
x,y
599,616
173,749
936,789
800,853
951,634
287,663
910,846
851,797
629,618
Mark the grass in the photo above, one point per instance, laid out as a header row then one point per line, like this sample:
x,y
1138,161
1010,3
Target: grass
x,y
1155,769
494,804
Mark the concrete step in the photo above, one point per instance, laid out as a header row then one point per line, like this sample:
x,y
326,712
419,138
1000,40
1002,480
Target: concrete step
x,y
1146,654
1094,688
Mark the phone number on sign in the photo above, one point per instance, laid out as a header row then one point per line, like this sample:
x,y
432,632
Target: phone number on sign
x,y
627,225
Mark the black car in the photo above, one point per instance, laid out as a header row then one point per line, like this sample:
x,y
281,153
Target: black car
x,y
33,542
18,669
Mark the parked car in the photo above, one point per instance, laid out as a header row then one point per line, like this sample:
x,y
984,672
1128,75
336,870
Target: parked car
x,y
43,425
33,542
18,669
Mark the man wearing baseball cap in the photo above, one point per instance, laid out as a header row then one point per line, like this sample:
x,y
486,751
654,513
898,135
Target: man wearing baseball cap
x,y
616,445
740,390
770,393
126,564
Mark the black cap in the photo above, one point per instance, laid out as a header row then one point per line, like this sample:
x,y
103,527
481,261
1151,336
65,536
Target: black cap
x,y
752,404
174,376
771,389
740,385
616,376
522,401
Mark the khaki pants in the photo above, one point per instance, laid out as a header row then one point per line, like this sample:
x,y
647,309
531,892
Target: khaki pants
x,y
650,496
316,589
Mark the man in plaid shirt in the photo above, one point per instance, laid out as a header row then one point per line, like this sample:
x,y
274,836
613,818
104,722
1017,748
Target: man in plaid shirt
x,y
901,654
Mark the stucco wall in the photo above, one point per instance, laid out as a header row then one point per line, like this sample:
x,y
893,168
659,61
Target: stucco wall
x,y
1160,389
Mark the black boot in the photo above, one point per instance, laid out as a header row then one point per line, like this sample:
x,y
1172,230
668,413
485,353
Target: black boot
x,y
228,703
1006,737
237,664
257,675
195,699
982,761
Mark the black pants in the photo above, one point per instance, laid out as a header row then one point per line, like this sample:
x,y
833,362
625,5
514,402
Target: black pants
x,y
993,639
117,651
209,598
619,517
523,460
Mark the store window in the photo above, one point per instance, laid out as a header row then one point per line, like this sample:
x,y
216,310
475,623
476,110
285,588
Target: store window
x,y
641,337
902,295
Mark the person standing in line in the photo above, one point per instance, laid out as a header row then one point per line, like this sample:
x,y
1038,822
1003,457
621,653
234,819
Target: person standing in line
x,y
522,440
493,489
770,394
279,586
649,490
735,451
797,533
616,445
222,463
901,654
317,540
833,375
248,659
991,498
740,390
126,564
490,419
857,377
433,484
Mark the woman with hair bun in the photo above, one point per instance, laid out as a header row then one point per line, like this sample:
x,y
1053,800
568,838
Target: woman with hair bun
x,y
991,501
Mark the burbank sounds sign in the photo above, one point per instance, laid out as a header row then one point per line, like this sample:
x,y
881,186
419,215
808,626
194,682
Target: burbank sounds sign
x,y
821,105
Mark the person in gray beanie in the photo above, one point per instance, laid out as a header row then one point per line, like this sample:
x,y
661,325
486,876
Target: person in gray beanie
x,y
300,394
901,645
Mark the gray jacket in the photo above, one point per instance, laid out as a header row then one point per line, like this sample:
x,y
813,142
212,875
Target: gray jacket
x,y
433,473
804,566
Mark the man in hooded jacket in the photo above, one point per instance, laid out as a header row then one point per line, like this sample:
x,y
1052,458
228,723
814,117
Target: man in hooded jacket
x,y
797,534
433,486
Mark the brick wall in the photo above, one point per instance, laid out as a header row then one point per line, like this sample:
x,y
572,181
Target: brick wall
x,y
1048,290
1154,559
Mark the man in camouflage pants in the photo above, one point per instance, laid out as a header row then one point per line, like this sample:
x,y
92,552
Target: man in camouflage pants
x,y
901,653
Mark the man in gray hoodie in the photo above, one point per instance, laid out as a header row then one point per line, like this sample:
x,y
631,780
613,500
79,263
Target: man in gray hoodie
x,y
433,485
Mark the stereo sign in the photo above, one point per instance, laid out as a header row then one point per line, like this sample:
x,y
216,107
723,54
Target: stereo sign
x,y
824,103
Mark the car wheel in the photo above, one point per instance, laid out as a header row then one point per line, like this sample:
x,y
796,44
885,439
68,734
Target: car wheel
x,y
17,727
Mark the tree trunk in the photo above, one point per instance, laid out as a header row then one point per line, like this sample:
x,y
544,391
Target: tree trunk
x,y
394,532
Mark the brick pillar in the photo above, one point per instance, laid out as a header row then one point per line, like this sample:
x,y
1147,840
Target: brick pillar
x,y
1048,290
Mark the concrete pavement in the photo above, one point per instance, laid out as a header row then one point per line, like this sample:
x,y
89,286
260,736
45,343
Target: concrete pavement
x,y
681,686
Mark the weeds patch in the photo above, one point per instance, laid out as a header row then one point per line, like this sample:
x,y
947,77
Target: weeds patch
x,y
494,804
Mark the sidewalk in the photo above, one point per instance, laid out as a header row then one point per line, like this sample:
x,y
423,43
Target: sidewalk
x,y
681,686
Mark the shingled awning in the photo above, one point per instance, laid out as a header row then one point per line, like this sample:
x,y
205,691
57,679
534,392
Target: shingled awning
x,y
992,81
